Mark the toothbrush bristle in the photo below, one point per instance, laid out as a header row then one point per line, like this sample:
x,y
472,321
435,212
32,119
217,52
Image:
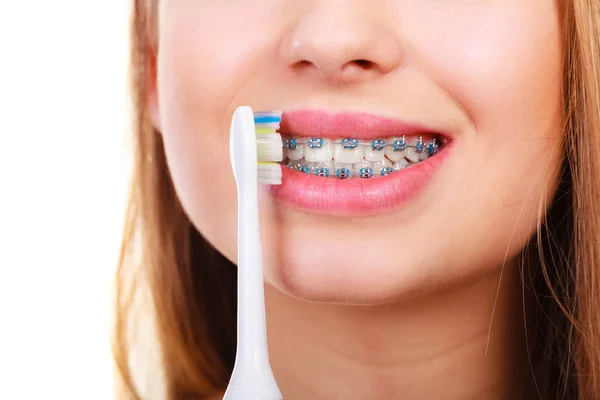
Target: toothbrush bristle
x,y
269,147
267,117
269,174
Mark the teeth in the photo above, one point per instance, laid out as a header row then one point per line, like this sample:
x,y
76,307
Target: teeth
x,y
420,145
430,149
380,167
376,154
393,151
304,166
297,153
347,155
420,150
312,166
315,153
324,169
364,169
412,155
378,144
400,165
395,156
298,165
433,147
342,170
349,143
293,164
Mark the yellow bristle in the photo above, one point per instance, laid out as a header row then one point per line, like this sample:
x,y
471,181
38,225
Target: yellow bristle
x,y
262,131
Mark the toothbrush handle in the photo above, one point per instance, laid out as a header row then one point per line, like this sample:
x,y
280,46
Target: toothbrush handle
x,y
252,338
252,377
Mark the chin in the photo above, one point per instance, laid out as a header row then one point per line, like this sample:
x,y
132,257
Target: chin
x,y
340,280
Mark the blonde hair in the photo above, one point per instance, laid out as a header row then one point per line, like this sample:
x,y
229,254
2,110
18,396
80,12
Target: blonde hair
x,y
193,288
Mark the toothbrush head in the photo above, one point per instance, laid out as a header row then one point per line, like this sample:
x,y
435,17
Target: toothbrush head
x,y
269,147
256,148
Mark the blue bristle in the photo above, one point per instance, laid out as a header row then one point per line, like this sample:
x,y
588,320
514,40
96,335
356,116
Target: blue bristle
x,y
266,119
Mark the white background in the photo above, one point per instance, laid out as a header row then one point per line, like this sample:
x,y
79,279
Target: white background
x,y
63,177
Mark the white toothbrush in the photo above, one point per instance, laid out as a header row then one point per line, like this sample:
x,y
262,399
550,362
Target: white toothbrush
x,y
255,149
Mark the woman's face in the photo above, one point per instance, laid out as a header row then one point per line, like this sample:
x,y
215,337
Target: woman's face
x,y
482,77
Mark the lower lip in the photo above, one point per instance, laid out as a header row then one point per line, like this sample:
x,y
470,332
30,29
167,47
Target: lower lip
x,y
356,196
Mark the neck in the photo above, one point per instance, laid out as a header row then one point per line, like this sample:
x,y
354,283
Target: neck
x,y
439,346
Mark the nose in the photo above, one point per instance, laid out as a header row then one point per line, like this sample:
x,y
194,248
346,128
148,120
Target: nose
x,y
343,42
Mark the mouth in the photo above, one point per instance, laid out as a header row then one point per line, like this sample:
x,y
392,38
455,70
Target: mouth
x,y
350,157
353,163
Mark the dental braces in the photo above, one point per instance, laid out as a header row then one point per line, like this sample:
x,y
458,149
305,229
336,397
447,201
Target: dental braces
x,y
344,172
369,169
400,144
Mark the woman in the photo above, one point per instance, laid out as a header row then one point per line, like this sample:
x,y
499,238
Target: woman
x,y
471,274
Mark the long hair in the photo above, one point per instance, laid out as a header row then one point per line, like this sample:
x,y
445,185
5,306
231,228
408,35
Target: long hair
x,y
192,288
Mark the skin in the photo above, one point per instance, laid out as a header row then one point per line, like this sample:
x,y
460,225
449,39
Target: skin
x,y
408,308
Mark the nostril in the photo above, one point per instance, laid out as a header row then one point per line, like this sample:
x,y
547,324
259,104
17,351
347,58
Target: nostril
x,y
304,63
331,68
363,63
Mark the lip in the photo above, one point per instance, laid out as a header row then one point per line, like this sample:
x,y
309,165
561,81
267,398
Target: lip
x,y
355,196
307,123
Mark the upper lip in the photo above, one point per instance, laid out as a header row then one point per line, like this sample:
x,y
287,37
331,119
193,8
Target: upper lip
x,y
312,123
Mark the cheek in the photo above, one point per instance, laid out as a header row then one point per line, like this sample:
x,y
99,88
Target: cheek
x,y
501,64
504,70
192,94
198,85
201,172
